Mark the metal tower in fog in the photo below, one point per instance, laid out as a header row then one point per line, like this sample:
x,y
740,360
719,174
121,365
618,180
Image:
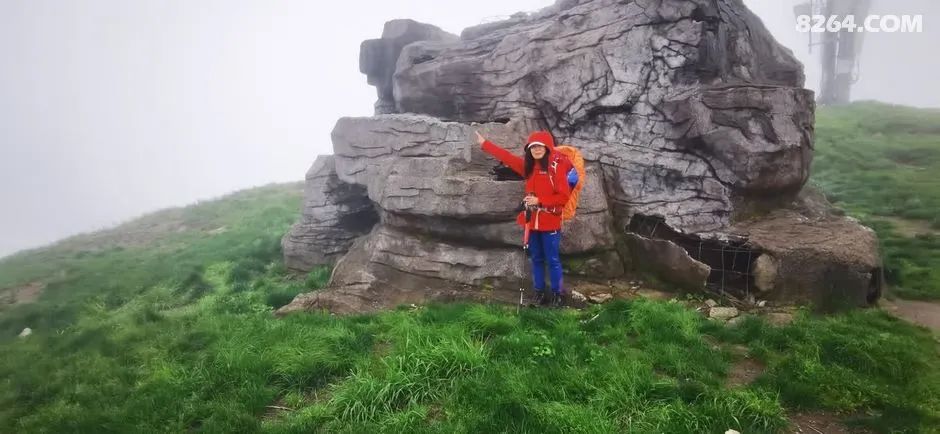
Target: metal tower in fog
x,y
840,50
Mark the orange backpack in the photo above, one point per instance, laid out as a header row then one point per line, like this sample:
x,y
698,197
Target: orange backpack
x,y
577,161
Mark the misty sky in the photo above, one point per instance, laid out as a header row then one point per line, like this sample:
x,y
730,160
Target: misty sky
x,y
113,108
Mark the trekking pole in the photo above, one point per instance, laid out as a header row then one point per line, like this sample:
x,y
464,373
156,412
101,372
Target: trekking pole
x,y
525,250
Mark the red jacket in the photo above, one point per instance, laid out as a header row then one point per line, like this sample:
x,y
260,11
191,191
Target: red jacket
x,y
550,187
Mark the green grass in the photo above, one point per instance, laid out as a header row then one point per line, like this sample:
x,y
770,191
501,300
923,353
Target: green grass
x,y
877,160
99,266
876,368
642,366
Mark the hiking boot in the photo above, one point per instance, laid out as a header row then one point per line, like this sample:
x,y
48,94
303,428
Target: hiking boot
x,y
540,298
558,300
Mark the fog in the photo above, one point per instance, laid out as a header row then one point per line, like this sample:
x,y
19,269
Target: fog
x,y
112,108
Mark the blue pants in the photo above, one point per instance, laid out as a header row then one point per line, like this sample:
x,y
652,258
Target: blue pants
x,y
543,249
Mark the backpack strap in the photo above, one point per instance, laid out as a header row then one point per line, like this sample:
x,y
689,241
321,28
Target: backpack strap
x,y
553,169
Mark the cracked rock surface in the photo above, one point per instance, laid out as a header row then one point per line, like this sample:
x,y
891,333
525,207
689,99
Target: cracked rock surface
x,y
334,215
686,111
811,255
686,104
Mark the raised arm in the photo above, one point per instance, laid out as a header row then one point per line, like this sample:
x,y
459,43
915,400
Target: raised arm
x,y
511,160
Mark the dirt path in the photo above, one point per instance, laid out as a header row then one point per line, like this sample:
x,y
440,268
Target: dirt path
x,y
27,293
911,228
923,313
820,422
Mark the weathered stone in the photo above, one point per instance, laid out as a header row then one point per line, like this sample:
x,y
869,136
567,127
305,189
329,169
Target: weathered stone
x,y
592,265
584,233
654,294
668,260
711,303
378,57
596,264
705,103
571,62
434,259
722,313
600,298
578,297
593,199
731,122
688,114
831,262
423,166
389,267
426,176
334,214
505,233
765,272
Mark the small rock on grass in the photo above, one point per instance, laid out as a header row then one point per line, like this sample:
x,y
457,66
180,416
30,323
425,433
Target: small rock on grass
x,y
653,294
600,298
26,332
579,297
722,313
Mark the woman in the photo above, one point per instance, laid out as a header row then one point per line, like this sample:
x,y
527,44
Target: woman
x,y
546,193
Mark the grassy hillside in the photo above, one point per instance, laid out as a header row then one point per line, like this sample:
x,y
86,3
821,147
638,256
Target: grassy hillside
x,y
881,164
164,325
171,247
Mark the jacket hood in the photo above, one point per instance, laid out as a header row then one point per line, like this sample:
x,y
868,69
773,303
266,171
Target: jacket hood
x,y
543,137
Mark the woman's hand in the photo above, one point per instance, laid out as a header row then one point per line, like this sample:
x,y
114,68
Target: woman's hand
x,y
480,138
531,201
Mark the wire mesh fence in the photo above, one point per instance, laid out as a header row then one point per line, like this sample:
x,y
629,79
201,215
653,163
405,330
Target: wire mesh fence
x,y
731,263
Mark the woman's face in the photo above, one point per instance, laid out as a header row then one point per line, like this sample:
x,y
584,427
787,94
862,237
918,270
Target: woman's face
x,y
538,152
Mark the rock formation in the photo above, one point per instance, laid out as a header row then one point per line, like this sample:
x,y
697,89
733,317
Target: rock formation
x,y
334,215
695,124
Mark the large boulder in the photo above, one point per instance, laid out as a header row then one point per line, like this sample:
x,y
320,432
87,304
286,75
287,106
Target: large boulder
x,y
598,57
426,175
391,267
830,261
696,130
687,104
